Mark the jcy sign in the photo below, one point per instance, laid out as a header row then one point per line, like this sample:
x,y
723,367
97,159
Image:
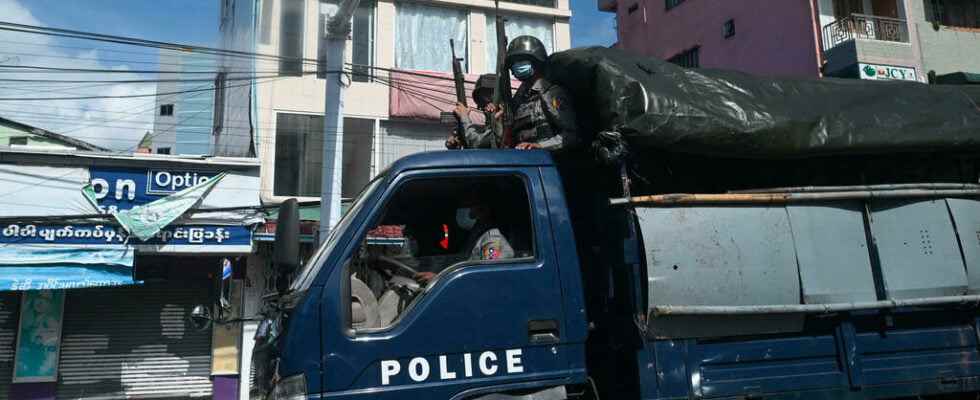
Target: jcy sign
x,y
887,73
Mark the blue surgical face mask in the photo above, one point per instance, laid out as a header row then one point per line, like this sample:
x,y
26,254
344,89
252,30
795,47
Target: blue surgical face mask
x,y
522,70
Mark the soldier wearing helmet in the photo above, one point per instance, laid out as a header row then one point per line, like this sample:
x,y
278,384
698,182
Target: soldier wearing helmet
x,y
542,111
476,136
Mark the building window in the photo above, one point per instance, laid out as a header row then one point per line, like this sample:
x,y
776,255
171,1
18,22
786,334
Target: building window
x,y
362,36
422,36
167,110
363,46
291,37
163,150
955,13
668,4
729,29
541,28
845,8
299,155
541,3
18,141
689,58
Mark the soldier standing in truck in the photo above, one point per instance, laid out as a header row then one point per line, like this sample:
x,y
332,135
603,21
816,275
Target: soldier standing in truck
x,y
542,111
473,135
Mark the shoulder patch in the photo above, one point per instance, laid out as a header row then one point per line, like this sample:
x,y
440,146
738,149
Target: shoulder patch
x,y
490,250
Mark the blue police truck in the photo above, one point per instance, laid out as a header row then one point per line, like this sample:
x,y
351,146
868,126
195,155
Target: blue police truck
x,y
834,288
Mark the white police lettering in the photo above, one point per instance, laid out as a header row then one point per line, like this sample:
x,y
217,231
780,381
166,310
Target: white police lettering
x,y
487,367
389,368
164,180
488,363
418,369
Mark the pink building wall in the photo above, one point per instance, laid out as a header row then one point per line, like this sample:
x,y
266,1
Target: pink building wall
x,y
772,37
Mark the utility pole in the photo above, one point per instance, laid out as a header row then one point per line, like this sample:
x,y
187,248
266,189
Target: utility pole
x,y
336,31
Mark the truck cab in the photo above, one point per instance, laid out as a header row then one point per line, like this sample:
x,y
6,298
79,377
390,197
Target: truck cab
x,y
359,322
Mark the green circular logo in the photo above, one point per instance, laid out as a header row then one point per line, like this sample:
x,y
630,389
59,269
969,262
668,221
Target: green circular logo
x,y
869,71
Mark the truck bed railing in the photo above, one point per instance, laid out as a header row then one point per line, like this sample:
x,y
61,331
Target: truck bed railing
x,y
675,199
666,310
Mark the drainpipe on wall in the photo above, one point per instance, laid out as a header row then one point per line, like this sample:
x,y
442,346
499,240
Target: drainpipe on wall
x,y
817,35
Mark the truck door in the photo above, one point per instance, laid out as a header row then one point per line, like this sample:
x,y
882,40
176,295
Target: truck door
x,y
452,292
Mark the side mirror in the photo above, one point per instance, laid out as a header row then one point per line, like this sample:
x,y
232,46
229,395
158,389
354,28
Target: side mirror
x,y
200,317
286,253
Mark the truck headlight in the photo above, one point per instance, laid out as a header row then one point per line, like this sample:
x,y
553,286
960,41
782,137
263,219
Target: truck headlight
x,y
290,388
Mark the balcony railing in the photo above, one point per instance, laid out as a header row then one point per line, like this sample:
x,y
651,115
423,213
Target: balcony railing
x,y
860,26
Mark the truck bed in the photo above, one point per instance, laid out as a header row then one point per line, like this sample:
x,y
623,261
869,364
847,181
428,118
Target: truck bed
x,y
805,299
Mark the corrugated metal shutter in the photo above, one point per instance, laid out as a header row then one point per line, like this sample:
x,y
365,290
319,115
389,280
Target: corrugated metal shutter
x,y
9,316
134,342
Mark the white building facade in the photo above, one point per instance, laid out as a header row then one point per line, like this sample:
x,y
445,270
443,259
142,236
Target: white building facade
x,y
288,96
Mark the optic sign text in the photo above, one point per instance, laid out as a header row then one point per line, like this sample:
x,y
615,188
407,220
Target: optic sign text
x,y
121,189
448,368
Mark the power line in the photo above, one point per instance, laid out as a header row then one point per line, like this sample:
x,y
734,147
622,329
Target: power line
x,y
74,34
129,81
127,96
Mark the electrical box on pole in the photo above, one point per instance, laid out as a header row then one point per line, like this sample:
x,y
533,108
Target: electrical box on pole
x,y
335,32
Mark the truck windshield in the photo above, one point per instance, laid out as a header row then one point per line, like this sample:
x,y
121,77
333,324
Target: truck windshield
x,y
312,267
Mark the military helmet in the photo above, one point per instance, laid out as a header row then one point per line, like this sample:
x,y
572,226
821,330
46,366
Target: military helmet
x,y
528,47
485,82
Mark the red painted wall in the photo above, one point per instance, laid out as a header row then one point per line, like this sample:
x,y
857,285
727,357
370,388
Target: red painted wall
x,y
773,37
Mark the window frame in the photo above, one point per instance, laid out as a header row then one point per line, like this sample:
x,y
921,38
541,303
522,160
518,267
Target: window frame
x,y
554,3
466,49
725,31
693,50
672,4
287,63
396,185
321,60
169,107
274,152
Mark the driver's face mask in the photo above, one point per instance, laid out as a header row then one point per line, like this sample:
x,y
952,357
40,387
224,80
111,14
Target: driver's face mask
x,y
464,219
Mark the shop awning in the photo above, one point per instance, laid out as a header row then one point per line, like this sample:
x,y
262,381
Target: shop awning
x,y
37,267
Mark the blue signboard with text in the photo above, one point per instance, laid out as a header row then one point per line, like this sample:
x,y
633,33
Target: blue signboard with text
x,y
124,188
222,235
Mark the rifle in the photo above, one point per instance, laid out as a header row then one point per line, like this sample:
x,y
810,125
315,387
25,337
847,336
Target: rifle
x,y
460,82
502,93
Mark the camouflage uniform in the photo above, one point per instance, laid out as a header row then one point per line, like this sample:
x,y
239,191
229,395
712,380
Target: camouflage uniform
x,y
491,245
477,136
542,110
543,115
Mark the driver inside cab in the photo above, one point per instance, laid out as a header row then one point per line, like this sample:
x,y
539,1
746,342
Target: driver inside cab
x,y
484,241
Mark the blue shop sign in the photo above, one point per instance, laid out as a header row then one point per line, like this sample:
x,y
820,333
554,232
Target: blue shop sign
x,y
87,234
124,188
